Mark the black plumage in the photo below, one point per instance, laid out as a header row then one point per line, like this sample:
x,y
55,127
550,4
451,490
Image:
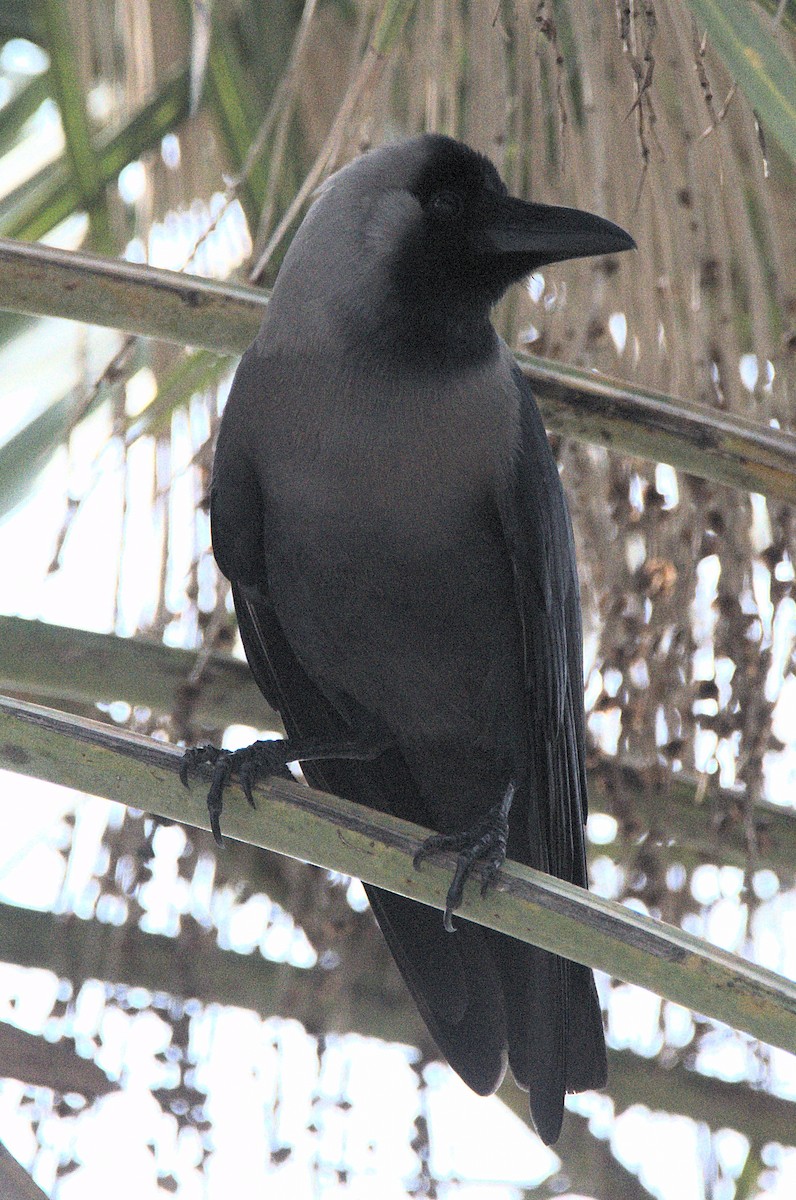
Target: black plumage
x,y
387,507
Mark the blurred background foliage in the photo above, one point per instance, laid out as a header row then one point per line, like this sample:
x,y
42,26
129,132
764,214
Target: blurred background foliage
x,y
191,135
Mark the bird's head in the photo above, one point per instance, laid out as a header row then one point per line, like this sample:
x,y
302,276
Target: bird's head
x,y
419,238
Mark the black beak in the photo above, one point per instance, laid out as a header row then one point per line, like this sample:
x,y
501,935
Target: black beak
x,y
543,233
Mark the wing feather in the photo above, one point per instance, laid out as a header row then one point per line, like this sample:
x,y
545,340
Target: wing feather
x,y
558,1045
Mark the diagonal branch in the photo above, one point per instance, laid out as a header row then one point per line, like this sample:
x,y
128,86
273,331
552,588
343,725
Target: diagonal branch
x,y
15,1183
364,995
72,668
186,309
55,664
224,317
328,831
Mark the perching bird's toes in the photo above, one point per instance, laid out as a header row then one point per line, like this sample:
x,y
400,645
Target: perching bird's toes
x,y
194,758
484,844
261,760
251,763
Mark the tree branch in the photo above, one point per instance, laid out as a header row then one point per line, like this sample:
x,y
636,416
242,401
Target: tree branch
x,y
185,309
63,666
15,1183
28,1058
364,995
313,826
695,822
55,663
189,310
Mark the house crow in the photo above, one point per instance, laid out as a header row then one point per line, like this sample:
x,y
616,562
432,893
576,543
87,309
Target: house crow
x,y
389,513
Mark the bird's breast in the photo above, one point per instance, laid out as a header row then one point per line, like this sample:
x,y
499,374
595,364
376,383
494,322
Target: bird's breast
x,y
411,465
384,552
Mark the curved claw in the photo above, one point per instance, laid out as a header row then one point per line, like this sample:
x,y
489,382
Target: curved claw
x,y
251,763
194,758
222,770
447,919
248,774
484,845
438,842
215,825
464,866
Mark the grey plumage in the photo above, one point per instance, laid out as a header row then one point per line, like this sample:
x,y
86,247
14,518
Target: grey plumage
x,y
389,512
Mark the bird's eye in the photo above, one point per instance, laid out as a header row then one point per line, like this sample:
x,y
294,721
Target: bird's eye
x,y
445,206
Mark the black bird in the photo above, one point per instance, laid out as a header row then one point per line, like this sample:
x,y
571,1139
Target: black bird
x,y
387,508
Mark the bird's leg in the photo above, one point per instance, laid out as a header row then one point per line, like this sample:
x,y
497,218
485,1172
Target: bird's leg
x,y
263,759
484,843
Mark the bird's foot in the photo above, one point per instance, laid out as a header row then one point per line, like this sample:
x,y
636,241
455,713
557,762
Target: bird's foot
x,y
482,845
258,761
